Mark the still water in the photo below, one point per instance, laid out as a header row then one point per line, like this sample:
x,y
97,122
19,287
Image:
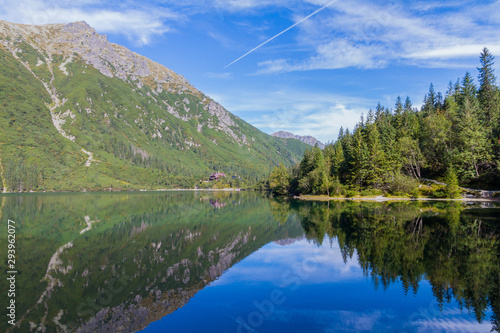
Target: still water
x,y
244,262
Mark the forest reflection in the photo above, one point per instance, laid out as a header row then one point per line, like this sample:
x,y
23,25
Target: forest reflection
x,y
453,246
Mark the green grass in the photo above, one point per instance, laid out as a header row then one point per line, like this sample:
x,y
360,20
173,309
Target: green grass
x,y
116,121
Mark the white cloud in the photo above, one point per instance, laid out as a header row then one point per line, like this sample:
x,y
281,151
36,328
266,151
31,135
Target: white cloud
x,y
303,113
336,54
239,5
138,24
364,34
312,264
453,52
223,75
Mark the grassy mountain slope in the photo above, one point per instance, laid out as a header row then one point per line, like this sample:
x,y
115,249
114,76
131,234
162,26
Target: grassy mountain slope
x,y
78,112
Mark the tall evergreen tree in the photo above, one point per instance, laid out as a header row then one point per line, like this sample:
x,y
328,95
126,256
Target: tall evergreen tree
x,y
488,91
473,146
398,116
468,89
360,162
377,167
430,101
456,132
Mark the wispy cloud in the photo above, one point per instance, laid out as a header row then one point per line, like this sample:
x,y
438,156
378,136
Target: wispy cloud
x,y
223,75
284,31
363,34
302,113
140,24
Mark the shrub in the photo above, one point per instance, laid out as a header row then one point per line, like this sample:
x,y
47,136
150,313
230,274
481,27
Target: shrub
x,y
336,188
351,192
452,190
439,194
371,192
401,185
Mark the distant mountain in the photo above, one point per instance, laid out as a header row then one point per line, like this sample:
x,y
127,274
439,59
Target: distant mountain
x,y
307,139
78,112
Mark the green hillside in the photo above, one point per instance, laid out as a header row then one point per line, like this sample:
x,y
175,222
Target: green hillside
x,y
164,247
79,113
453,138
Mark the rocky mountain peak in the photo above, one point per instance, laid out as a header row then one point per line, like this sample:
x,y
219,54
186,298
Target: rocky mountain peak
x,y
114,108
312,141
78,40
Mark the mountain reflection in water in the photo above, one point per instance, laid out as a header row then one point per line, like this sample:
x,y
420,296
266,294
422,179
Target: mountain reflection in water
x,y
148,256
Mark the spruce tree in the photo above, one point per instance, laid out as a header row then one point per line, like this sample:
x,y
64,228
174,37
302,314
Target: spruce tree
x,y
468,89
488,91
377,159
429,102
473,146
452,188
398,116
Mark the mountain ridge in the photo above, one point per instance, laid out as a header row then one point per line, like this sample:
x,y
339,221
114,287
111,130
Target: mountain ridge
x,y
310,140
83,110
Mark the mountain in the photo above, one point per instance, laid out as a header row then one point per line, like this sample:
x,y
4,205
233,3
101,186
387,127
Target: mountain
x,y
80,113
307,139
144,255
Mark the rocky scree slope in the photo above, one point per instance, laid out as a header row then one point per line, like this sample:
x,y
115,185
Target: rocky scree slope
x,y
79,112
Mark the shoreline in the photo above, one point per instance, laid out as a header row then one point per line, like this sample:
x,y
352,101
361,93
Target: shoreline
x,y
139,190
300,197
385,199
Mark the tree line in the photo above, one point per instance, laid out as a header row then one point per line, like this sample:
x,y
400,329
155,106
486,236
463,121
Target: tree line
x,y
455,137
452,248
20,176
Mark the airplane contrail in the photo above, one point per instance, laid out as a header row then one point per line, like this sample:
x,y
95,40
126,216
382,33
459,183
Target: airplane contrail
x,y
281,33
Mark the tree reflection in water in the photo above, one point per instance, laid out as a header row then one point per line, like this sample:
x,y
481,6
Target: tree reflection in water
x,y
454,247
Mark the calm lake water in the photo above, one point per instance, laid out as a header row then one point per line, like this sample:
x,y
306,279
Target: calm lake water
x,y
244,262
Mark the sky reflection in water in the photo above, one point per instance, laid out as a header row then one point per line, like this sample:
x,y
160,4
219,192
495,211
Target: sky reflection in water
x,y
318,292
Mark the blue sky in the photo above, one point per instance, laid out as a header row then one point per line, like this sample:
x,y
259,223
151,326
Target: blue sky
x,y
320,75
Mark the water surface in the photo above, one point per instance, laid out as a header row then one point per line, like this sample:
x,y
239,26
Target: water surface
x,y
244,262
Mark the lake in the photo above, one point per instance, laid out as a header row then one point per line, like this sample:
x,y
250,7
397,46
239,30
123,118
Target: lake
x,y
246,262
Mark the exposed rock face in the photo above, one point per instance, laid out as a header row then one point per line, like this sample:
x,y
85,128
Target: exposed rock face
x,y
136,313
112,108
307,139
110,59
78,41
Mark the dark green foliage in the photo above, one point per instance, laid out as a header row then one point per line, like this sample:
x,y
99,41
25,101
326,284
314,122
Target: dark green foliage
x,y
121,239
279,180
391,150
488,94
452,189
454,249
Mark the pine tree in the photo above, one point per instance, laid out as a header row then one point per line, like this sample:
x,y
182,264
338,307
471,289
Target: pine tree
x,y
488,91
279,180
320,173
408,105
398,116
430,99
337,159
360,162
473,144
376,169
468,89
452,188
